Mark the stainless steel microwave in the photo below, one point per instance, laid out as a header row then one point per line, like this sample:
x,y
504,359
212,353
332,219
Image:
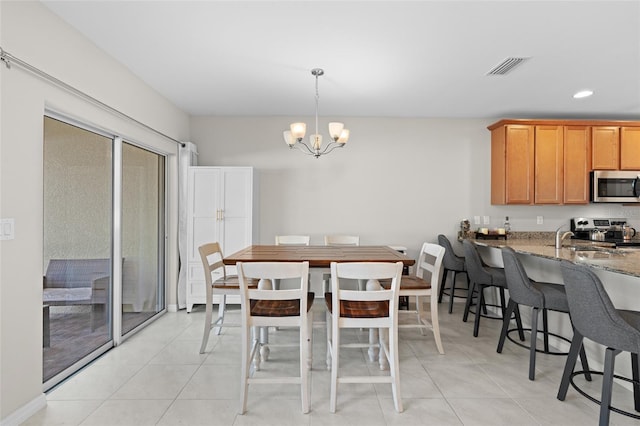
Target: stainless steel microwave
x,y
615,186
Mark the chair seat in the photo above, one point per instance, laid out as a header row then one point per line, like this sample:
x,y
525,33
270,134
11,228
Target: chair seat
x,y
555,296
232,283
279,308
359,308
408,282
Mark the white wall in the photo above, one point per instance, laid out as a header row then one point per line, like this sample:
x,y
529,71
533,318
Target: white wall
x,y
398,181
30,32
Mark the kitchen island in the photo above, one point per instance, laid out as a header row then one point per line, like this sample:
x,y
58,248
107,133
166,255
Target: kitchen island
x,y
618,268
597,255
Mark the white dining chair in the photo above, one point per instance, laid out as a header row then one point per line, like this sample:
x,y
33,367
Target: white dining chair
x,y
339,240
223,286
375,307
263,307
424,283
292,240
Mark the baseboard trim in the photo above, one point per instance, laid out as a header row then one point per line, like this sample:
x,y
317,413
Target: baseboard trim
x,y
172,308
24,412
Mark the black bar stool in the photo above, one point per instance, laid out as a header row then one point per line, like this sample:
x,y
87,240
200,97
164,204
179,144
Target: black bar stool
x,y
540,296
594,317
454,263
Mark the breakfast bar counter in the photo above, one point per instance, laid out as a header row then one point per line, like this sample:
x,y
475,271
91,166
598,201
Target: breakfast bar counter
x,y
619,260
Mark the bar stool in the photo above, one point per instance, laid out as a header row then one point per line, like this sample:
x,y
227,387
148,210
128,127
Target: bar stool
x,y
594,317
482,277
539,296
454,263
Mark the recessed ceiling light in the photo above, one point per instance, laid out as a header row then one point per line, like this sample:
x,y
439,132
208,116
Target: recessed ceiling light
x,y
583,94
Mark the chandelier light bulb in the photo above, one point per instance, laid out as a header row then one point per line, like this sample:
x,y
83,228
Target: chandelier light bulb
x,y
288,138
335,129
344,136
298,130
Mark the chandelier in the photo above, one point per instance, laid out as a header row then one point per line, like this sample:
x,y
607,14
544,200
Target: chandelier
x,y
295,136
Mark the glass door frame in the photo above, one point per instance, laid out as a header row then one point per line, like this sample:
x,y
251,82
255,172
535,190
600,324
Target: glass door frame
x,y
115,291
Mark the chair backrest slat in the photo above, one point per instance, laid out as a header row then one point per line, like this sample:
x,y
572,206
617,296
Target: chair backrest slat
x,y
431,261
292,240
370,271
270,271
211,257
341,240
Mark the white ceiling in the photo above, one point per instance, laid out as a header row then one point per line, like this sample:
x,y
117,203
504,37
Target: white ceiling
x,y
381,58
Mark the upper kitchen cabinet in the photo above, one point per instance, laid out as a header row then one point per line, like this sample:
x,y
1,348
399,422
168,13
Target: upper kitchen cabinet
x,y
548,161
512,164
577,164
605,147
549,166
630,148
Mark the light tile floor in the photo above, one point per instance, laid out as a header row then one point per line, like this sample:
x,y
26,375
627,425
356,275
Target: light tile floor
x,y
158,378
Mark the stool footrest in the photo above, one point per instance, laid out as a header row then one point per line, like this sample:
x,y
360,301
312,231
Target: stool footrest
x,y
542,351
496,317
597,401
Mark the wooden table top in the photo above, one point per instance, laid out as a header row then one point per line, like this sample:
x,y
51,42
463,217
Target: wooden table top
x,y
318,256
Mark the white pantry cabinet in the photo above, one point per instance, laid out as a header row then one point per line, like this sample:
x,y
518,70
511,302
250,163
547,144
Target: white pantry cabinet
x,y
220,207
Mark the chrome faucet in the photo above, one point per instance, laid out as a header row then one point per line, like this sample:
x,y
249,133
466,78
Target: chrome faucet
x,y
561,236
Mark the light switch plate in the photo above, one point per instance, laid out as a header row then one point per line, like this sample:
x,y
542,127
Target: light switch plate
x,y
540,220
476,220
7,229
486,220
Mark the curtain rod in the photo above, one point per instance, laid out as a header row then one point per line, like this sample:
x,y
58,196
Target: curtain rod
x,y
9,60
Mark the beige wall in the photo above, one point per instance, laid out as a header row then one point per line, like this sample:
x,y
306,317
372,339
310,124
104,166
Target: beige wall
x,y
398,181
30,32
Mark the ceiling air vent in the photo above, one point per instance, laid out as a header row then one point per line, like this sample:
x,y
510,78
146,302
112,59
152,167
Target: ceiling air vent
x,y
505,66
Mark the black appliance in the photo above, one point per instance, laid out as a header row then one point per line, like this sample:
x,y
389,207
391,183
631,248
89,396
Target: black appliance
x,y
609,230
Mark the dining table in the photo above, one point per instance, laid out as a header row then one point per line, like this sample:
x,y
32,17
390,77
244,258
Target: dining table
x,y
317,256
321,257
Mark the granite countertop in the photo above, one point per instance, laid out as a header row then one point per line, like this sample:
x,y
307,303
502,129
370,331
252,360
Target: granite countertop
x,y
620,260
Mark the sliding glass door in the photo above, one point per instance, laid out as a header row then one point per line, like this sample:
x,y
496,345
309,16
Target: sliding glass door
x,y
78,193
104,199
143,175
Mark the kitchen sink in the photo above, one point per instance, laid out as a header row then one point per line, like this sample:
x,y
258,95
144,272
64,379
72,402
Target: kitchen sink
x,y
584,247
590,248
